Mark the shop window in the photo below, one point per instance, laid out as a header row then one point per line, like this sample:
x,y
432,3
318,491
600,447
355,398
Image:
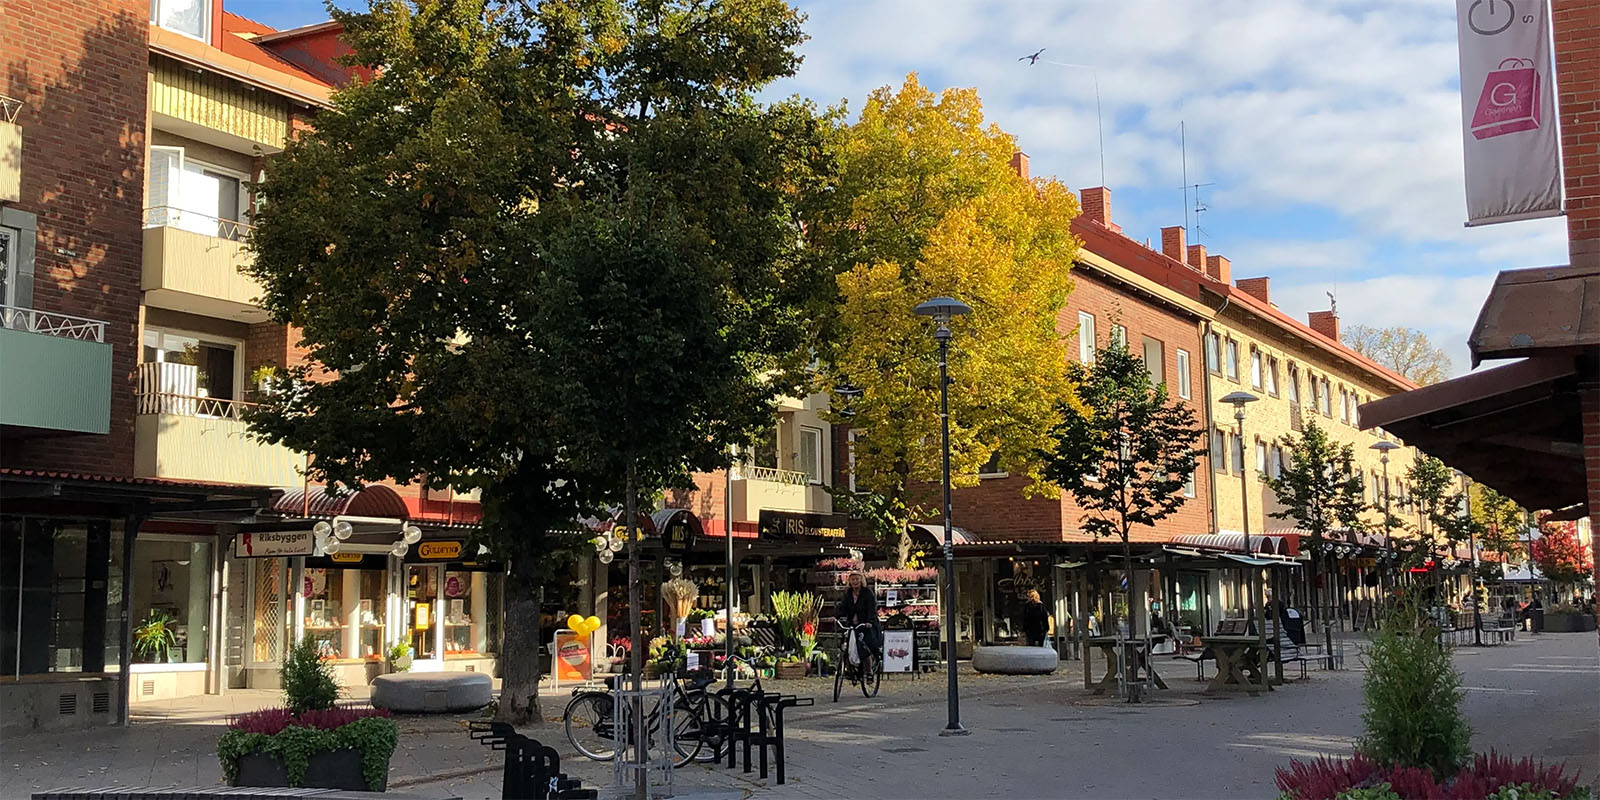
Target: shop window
x,y
1185,388
811,453
457,612
422,602
345,608
54,580
172,584
1086,340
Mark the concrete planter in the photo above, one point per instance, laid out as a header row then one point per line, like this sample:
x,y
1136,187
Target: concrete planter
x,y
1568,623
333,769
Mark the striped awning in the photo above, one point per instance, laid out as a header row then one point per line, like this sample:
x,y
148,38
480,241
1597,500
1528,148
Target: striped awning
x,y
374,500
1268,544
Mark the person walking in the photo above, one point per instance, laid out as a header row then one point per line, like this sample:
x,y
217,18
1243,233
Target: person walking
x,y
1035,619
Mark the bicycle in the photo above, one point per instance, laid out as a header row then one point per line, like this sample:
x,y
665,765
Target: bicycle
x,y
857,662
591,727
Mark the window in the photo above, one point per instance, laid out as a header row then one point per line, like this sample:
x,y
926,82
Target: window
x,y
172,576
1294,384
1233,360
58,611
1327,398
192,196
1119,335
1261,458
1189,484
188,17
8,267
198,367
1238,454
1219,451
811,453
1277,462
850,453
1213,358
1344,405
1155,360
1272,377
1184,389
764,452
1255,368
991,468
1086,339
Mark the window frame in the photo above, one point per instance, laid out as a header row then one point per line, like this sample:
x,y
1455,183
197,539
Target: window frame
x,y
819,451
1086,344
1271,377
1213,353
1185,389
1119,335
1294,384
1230,359
238,346
205,19
1238,455
1257,380
1219,451
9,276
1158,372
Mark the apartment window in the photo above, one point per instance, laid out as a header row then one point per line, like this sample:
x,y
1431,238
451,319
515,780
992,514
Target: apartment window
x,y
198,367
1238,454
193,196
1327,398
1233,360
852,438
1261,458
1294,384
1213,356
1184,389
1219,451
8,267
1255,369
811,453
1119,335
1344,406
1272,376
1277,461
188,17
1086,337
1189,484
764,452
991,468
1155,359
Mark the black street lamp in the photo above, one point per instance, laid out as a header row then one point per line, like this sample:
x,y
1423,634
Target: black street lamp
x,y
1258,606
942,309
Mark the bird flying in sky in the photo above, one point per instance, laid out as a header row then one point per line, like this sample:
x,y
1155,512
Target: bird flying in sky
x,y
1033,59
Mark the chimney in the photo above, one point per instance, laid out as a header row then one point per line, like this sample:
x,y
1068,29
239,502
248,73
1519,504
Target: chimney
x,y
1325,323
1019,164
1218,268
1255,287
1097,204
1197,256
1174,242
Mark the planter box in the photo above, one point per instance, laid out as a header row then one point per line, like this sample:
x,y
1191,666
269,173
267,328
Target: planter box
x,y
1568,623
333,769
791,670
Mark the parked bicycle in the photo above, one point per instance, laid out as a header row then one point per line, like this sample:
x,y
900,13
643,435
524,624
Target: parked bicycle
x,y
591,724
858,663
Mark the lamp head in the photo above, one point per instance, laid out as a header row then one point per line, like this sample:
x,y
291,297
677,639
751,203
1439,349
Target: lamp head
x,y
942,309
1383,446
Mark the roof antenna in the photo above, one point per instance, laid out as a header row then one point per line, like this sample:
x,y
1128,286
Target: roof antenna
x,y
1199,207
1099,119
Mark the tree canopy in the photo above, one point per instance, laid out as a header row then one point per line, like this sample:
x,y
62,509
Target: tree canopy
x,y
928,204
1407,351
548,247
1559,554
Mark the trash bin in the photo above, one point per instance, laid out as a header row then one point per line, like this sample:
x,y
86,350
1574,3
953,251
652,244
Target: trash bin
x,y
1536,619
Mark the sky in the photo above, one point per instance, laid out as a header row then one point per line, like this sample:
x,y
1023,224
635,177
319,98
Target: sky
x,y
1327,133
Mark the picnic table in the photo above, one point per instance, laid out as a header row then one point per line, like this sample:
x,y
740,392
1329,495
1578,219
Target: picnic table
x,y
1239,664
1135,653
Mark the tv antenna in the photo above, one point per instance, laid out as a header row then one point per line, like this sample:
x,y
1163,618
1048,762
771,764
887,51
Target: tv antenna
x,y
1099,119
1199,207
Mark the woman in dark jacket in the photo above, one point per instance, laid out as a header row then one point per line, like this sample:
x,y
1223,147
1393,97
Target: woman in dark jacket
x,y
1035,619
859,606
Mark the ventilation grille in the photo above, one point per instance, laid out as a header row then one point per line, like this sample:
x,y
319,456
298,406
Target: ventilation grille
x,y
102,702
472,667
147,688
67,704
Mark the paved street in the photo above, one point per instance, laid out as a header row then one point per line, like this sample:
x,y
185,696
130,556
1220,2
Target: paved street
x,y
1030,737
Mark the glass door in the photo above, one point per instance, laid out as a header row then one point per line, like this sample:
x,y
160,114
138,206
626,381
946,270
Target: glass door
x,y
423,615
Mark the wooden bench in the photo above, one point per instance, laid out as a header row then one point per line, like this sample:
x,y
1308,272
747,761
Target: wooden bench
x,y
1199,656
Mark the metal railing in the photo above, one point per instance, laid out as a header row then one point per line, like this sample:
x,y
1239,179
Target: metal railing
x,y
50,323
203,224
10,108
753,473
193,406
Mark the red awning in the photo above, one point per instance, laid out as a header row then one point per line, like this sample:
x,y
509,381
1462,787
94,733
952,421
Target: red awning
x,y
371,501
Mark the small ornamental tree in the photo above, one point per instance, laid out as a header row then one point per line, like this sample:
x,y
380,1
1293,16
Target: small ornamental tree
x,y
1123,450
1559,555
1440,508
1318,489
1412,696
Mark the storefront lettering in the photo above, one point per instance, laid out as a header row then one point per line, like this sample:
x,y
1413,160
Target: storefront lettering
x,y
439,551
273,544
787,525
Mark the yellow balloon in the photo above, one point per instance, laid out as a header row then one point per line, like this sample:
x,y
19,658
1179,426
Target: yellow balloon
x,y
592,624
574,622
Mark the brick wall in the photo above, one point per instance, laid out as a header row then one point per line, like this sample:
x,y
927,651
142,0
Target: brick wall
x,y
1576,28
80,66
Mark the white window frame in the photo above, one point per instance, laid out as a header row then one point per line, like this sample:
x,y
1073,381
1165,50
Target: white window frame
x,y
1119,335
1185,390
1230,359
1271,376
1256,381
1190,484
819,451
1213,346
205,19
1086,337
238,350
8,267
1158,372
1263,464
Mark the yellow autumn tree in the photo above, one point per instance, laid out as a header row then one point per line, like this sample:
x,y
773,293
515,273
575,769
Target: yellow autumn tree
x,y
928,204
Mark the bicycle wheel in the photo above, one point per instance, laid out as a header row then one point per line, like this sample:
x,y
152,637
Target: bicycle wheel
x,y
871,675
838,677
688,732
590,720
716,714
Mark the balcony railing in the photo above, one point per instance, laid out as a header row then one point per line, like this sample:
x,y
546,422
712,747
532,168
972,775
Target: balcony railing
x,y
170,388
10,108
206,225
50,323
753,473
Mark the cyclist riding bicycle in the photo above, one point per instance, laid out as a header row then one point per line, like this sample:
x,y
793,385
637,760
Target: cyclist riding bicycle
x,y
859,606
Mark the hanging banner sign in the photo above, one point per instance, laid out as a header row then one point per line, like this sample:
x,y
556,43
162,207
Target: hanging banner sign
x,y
273,544
1508,111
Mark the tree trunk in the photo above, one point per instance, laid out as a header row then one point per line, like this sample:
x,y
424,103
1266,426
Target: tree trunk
x,y
519,655
902,548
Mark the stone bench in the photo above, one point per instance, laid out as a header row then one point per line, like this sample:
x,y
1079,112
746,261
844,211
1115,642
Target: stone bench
x,y
1015,660
432,692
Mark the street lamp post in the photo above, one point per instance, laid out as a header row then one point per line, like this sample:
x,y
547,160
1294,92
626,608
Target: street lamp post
x,y
1258,608
942,309
1383,446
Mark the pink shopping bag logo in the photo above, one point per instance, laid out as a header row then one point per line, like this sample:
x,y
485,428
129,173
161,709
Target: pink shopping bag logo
x,y
1510,100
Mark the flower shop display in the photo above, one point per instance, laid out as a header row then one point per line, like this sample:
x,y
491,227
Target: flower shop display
x,y
797,614
678,596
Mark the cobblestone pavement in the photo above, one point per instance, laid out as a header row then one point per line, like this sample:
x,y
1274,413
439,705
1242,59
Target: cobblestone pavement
x,y
1030,737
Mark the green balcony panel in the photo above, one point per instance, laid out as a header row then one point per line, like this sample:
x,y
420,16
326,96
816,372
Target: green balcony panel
x,y
54,383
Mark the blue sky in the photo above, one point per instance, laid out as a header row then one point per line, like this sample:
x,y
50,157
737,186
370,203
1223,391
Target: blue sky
x,y
1329,130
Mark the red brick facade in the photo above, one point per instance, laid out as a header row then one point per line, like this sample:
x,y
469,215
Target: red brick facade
x,y
79,67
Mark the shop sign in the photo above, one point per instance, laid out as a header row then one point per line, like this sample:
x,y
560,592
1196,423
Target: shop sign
x,y
273,544
899,651
346,558
791,526
679,534
572,657
447,550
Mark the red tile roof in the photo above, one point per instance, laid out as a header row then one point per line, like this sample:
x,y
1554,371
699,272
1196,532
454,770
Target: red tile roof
x,y
234,23
240,47
208,486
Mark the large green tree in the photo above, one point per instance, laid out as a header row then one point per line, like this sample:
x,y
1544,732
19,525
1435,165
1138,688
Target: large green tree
x,y
928,204
1503,523
1318,489
1441,523
553,251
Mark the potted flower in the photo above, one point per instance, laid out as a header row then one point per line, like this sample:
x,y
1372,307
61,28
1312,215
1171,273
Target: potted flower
x,y
400,657
154,639
309,742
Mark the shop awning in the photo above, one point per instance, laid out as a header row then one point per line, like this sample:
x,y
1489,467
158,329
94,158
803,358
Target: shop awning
x,y
1262,561
1269,544
374,500
934,535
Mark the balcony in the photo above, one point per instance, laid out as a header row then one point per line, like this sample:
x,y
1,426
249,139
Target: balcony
x,y
182,435
192,263
55,373
757,488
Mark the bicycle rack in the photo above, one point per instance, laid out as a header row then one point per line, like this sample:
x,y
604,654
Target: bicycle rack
x,y
533,770
762,729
